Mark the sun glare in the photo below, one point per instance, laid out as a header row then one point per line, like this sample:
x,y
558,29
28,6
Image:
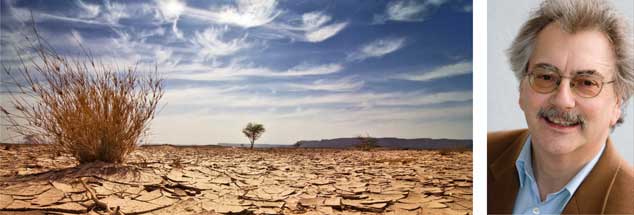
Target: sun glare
x,y
171,8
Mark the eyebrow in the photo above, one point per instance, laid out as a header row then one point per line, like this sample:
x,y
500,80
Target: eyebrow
x,y
548,67
553,68
589,72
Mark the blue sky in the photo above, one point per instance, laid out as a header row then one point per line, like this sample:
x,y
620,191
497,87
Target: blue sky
x,y
304,69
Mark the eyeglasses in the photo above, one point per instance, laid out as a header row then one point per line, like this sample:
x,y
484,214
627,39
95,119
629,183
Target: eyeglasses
x,y
585,85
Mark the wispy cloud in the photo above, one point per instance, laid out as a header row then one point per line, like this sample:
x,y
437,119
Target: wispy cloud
x,y
331,116
421,98
211,43
115,12
244,13
314,23
91,10
249,13
165,57
346,84
405,10
89,14
209,97
325,32
314,20
39,17
313,27
396,113
170,11
408,10
445,71
236,71
307,69
377,49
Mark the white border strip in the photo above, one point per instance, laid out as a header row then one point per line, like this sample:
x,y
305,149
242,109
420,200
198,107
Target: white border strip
x,y
479,107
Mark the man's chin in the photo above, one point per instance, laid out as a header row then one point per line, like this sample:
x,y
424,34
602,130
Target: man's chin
x,y
555,144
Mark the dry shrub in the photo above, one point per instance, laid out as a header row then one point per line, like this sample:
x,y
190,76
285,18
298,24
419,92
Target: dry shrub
x,y
367,143
92,110
445,152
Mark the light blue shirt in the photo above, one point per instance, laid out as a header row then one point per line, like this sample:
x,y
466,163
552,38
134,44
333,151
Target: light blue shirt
x,y
528,200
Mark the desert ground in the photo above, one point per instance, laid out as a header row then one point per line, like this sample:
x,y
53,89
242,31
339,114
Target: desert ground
x,y
220,180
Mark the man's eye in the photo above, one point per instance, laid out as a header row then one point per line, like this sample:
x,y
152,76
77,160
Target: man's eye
x,y
589,83
545,77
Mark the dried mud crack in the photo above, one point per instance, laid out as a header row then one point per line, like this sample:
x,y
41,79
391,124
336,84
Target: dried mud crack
x,y
209,180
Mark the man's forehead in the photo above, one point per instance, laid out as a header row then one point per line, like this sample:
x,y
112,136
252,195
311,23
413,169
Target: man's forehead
x,y
587,51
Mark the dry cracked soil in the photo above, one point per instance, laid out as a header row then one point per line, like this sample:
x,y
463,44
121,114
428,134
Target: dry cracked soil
x,y
214,180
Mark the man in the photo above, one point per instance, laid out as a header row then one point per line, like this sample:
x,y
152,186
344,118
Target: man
x,y
576,71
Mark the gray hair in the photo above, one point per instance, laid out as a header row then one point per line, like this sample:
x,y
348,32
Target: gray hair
x,y
574,16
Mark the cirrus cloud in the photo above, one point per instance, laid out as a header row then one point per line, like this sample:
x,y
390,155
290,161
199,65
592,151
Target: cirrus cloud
x,y
212,45
445,71
244,13
377,48
236,71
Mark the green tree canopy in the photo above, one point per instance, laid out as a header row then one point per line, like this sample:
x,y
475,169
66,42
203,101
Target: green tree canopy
x,y
253,131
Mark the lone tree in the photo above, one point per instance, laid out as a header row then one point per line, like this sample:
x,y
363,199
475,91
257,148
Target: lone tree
x,y
253,131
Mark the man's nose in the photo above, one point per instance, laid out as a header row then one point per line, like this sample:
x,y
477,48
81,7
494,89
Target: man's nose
x,y
563,96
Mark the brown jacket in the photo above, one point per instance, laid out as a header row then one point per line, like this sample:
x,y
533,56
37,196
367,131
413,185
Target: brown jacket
x,y
608,189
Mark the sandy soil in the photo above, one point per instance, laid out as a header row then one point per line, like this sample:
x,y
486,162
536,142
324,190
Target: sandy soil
x,y
209,180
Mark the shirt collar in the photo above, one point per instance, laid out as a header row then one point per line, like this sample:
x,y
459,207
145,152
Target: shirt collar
x,y
524,167
524,162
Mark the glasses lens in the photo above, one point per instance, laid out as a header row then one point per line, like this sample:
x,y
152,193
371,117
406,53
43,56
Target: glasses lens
x,y
544,81
587,85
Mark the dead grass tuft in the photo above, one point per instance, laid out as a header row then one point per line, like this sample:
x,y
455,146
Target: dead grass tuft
x,y
92,110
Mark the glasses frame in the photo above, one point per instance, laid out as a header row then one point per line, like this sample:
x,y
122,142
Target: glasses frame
x,y
531,80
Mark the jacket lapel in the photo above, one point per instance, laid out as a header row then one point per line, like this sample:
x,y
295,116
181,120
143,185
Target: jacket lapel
x,y
505,181
590,197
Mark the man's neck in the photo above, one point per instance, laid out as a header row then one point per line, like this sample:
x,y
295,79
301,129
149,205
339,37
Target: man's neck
x,y
553,172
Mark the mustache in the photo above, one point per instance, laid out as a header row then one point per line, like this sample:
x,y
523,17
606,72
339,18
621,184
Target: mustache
x,y
568,116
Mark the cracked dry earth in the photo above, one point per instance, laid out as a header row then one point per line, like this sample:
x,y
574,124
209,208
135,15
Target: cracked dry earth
x,y
212,180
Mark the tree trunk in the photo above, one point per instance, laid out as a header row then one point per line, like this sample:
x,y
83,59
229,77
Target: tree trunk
x,y
252,144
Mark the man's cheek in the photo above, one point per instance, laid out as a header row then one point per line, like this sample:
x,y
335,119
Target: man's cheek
x,y
616,114
521,101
